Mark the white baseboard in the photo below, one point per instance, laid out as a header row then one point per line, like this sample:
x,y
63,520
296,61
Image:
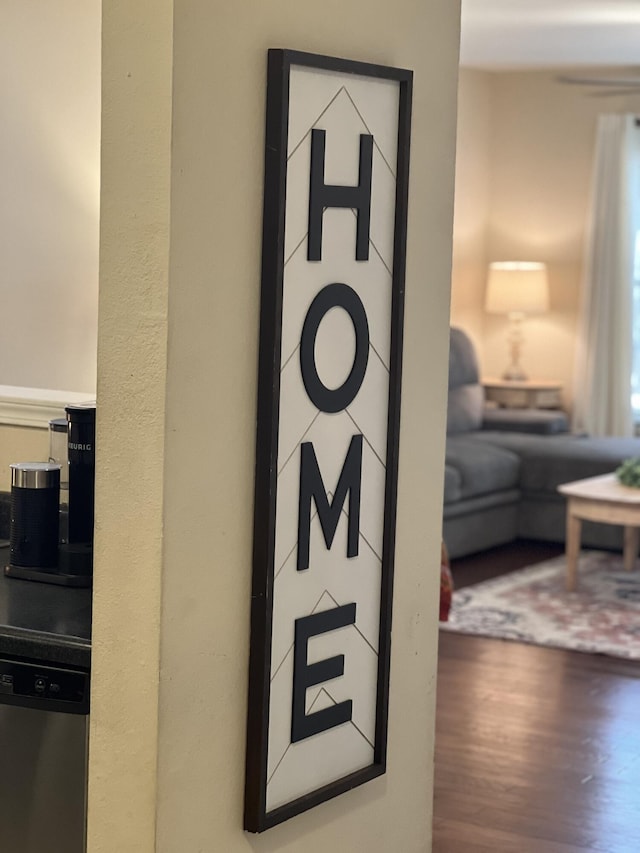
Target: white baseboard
x,y
35,407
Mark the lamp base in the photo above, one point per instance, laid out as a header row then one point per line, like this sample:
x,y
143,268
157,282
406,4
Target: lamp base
x,y
515,374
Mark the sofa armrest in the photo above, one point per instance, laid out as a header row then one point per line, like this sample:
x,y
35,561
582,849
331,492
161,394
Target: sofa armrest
x,y
537,421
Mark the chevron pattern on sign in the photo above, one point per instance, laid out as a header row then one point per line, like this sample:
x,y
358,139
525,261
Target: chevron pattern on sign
x,y
322,693
327,600
317,122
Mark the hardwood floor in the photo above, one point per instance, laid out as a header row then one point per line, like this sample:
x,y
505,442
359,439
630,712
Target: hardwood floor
x,y
497,561
537,750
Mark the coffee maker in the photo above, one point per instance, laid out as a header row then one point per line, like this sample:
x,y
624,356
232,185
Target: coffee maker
x,y
52,506
76,553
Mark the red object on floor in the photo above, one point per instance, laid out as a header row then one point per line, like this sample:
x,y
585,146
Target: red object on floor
x,y
446,584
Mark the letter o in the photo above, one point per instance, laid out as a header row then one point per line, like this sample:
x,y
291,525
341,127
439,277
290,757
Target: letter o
x,y
334,296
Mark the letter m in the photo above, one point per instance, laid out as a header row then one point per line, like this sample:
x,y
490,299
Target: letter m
x,y
312,486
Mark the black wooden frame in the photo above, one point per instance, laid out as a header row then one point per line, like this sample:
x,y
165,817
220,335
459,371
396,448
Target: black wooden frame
x,y
256,818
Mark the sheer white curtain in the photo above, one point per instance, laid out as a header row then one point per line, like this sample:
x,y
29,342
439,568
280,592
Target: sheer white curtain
x,y
605,348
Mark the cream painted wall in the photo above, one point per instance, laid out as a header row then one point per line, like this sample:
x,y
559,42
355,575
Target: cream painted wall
x,y
130,429
542,146
49,174
20,444
540,153
169,686
25,416
472,202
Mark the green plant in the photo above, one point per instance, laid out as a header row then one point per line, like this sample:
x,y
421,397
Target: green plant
x,y
629,473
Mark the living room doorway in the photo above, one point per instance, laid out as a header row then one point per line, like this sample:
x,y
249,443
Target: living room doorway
x,y
532,744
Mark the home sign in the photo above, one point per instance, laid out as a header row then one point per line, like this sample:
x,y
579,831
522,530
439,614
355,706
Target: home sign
x,y
334,234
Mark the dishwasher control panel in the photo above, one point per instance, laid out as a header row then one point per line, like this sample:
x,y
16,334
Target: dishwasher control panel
x,y
48,688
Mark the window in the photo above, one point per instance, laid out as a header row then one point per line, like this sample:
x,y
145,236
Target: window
x,y
633,184
635,370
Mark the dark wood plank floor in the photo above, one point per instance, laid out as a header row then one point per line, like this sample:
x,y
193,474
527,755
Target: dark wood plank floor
x,y
537,750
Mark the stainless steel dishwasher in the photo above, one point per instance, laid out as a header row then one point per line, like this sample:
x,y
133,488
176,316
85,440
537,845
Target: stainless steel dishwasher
x,y
43,781
44,703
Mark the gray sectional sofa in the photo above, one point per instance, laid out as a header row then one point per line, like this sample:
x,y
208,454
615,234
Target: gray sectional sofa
x,y
503,467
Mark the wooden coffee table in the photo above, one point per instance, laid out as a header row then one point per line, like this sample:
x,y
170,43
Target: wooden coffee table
x,y
602,499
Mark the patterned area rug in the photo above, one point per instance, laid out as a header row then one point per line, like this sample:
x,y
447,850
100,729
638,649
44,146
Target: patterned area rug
x,y
531,605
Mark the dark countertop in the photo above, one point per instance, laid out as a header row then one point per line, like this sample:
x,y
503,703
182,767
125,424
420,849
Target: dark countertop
x,y
42,622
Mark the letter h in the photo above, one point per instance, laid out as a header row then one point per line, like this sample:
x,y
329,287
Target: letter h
x,y
323,195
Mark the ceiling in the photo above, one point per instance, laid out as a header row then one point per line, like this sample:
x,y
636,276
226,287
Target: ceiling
x,y
501,34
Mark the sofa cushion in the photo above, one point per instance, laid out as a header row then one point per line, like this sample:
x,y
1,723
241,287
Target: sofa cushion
x,y
541,421
466,394
482,467
452,480
480,505
463,365
548,461
483,526
465,408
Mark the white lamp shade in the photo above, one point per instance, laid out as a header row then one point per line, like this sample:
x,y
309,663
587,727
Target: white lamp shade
x,y
517,287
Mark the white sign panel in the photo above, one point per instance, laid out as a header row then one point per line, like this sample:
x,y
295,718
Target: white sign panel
x,y
336,174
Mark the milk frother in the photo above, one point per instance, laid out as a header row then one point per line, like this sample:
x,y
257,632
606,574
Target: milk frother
x,y
33,530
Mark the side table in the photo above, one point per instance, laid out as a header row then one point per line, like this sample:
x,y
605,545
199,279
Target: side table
x,y
524,394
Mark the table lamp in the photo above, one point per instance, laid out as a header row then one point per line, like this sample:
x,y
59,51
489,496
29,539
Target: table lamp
x,y
516,288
